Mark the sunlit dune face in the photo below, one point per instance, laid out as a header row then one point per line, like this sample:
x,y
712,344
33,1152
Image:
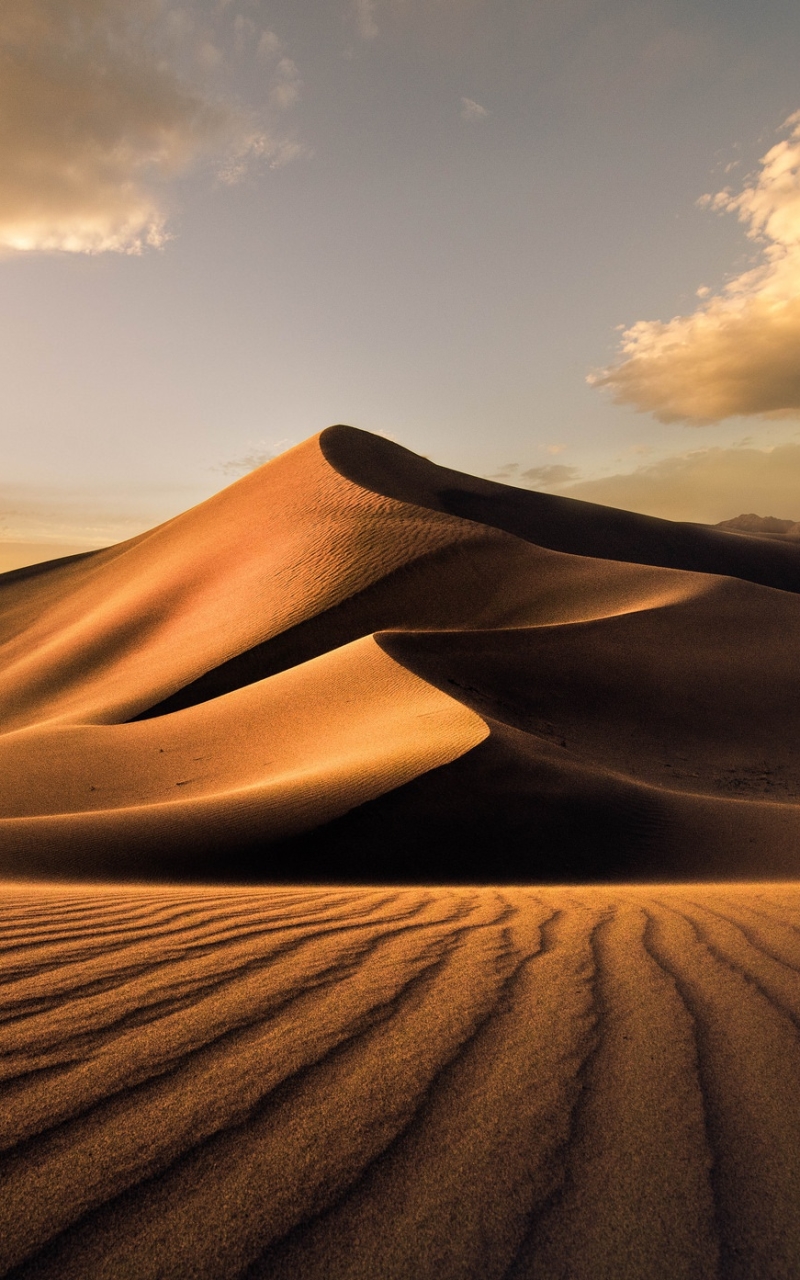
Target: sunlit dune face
x,y
137,622
284,754
141,621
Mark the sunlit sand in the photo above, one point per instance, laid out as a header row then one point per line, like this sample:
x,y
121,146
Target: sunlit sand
x,y
427,1082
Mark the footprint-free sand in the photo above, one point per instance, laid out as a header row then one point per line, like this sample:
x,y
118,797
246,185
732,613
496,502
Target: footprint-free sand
x,y
400,880
427,1083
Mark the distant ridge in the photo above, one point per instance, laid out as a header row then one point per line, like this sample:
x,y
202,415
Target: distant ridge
x,y
355,664
552,520
751,523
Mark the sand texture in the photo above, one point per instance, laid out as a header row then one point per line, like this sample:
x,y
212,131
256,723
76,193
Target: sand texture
x,y
355,664
460,1083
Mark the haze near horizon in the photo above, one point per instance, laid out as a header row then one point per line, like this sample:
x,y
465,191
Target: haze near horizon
x,y
556,245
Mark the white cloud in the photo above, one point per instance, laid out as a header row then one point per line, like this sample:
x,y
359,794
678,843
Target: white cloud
x,y
96,120
471,110
739,352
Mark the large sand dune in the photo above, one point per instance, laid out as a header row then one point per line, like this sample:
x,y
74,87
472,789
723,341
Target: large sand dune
x,y
354,667
400,1084
355,663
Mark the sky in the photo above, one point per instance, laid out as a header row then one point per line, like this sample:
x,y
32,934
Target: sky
x,y
554,242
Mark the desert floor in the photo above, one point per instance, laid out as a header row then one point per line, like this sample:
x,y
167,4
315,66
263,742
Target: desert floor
x,y
400,1083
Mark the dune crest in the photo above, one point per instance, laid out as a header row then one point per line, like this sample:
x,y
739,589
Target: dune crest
x,y
351,654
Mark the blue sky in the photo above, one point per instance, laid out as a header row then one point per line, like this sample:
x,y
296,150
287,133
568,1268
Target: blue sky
x,y
226,225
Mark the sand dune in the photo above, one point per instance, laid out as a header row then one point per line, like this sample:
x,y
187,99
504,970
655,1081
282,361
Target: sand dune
x,y
356,668
429,1083
353,650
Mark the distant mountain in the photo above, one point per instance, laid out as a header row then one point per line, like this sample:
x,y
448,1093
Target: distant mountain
x,y
752,523
354,664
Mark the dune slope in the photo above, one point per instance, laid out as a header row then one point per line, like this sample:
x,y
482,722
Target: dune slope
x,y
449,1084
353,663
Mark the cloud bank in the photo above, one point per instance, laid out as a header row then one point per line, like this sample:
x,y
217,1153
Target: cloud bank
x,y
95,119
739,352
706,485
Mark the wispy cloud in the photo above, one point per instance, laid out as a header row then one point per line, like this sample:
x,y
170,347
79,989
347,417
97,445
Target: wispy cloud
x,y
363,14
286,85
269,46
554,474
471,110
255,457
739,352
96,119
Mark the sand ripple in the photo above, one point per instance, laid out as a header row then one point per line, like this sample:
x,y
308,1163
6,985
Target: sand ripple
x,y
400,1082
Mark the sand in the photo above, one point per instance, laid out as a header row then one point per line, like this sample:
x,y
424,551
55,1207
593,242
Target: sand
x,y
354,664
240,1033
453,1082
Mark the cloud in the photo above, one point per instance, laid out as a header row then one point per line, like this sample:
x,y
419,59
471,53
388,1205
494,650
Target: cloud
x,y
739,352
255,458
555,473
91,121
471,110
706,485
286,85
543,477
364,19
506,472
244,34
268,45
96,119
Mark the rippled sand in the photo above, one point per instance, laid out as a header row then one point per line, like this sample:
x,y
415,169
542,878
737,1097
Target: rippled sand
x,y
400,1083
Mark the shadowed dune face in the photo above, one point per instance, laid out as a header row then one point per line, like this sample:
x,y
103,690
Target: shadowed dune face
x,y
437,1083
338,667
563,524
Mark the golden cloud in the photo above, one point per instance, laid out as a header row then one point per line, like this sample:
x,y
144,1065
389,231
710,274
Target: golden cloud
x,y
739,352
95,119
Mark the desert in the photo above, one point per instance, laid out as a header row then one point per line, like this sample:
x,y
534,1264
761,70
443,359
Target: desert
x,y
352,640
400,879
399,594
